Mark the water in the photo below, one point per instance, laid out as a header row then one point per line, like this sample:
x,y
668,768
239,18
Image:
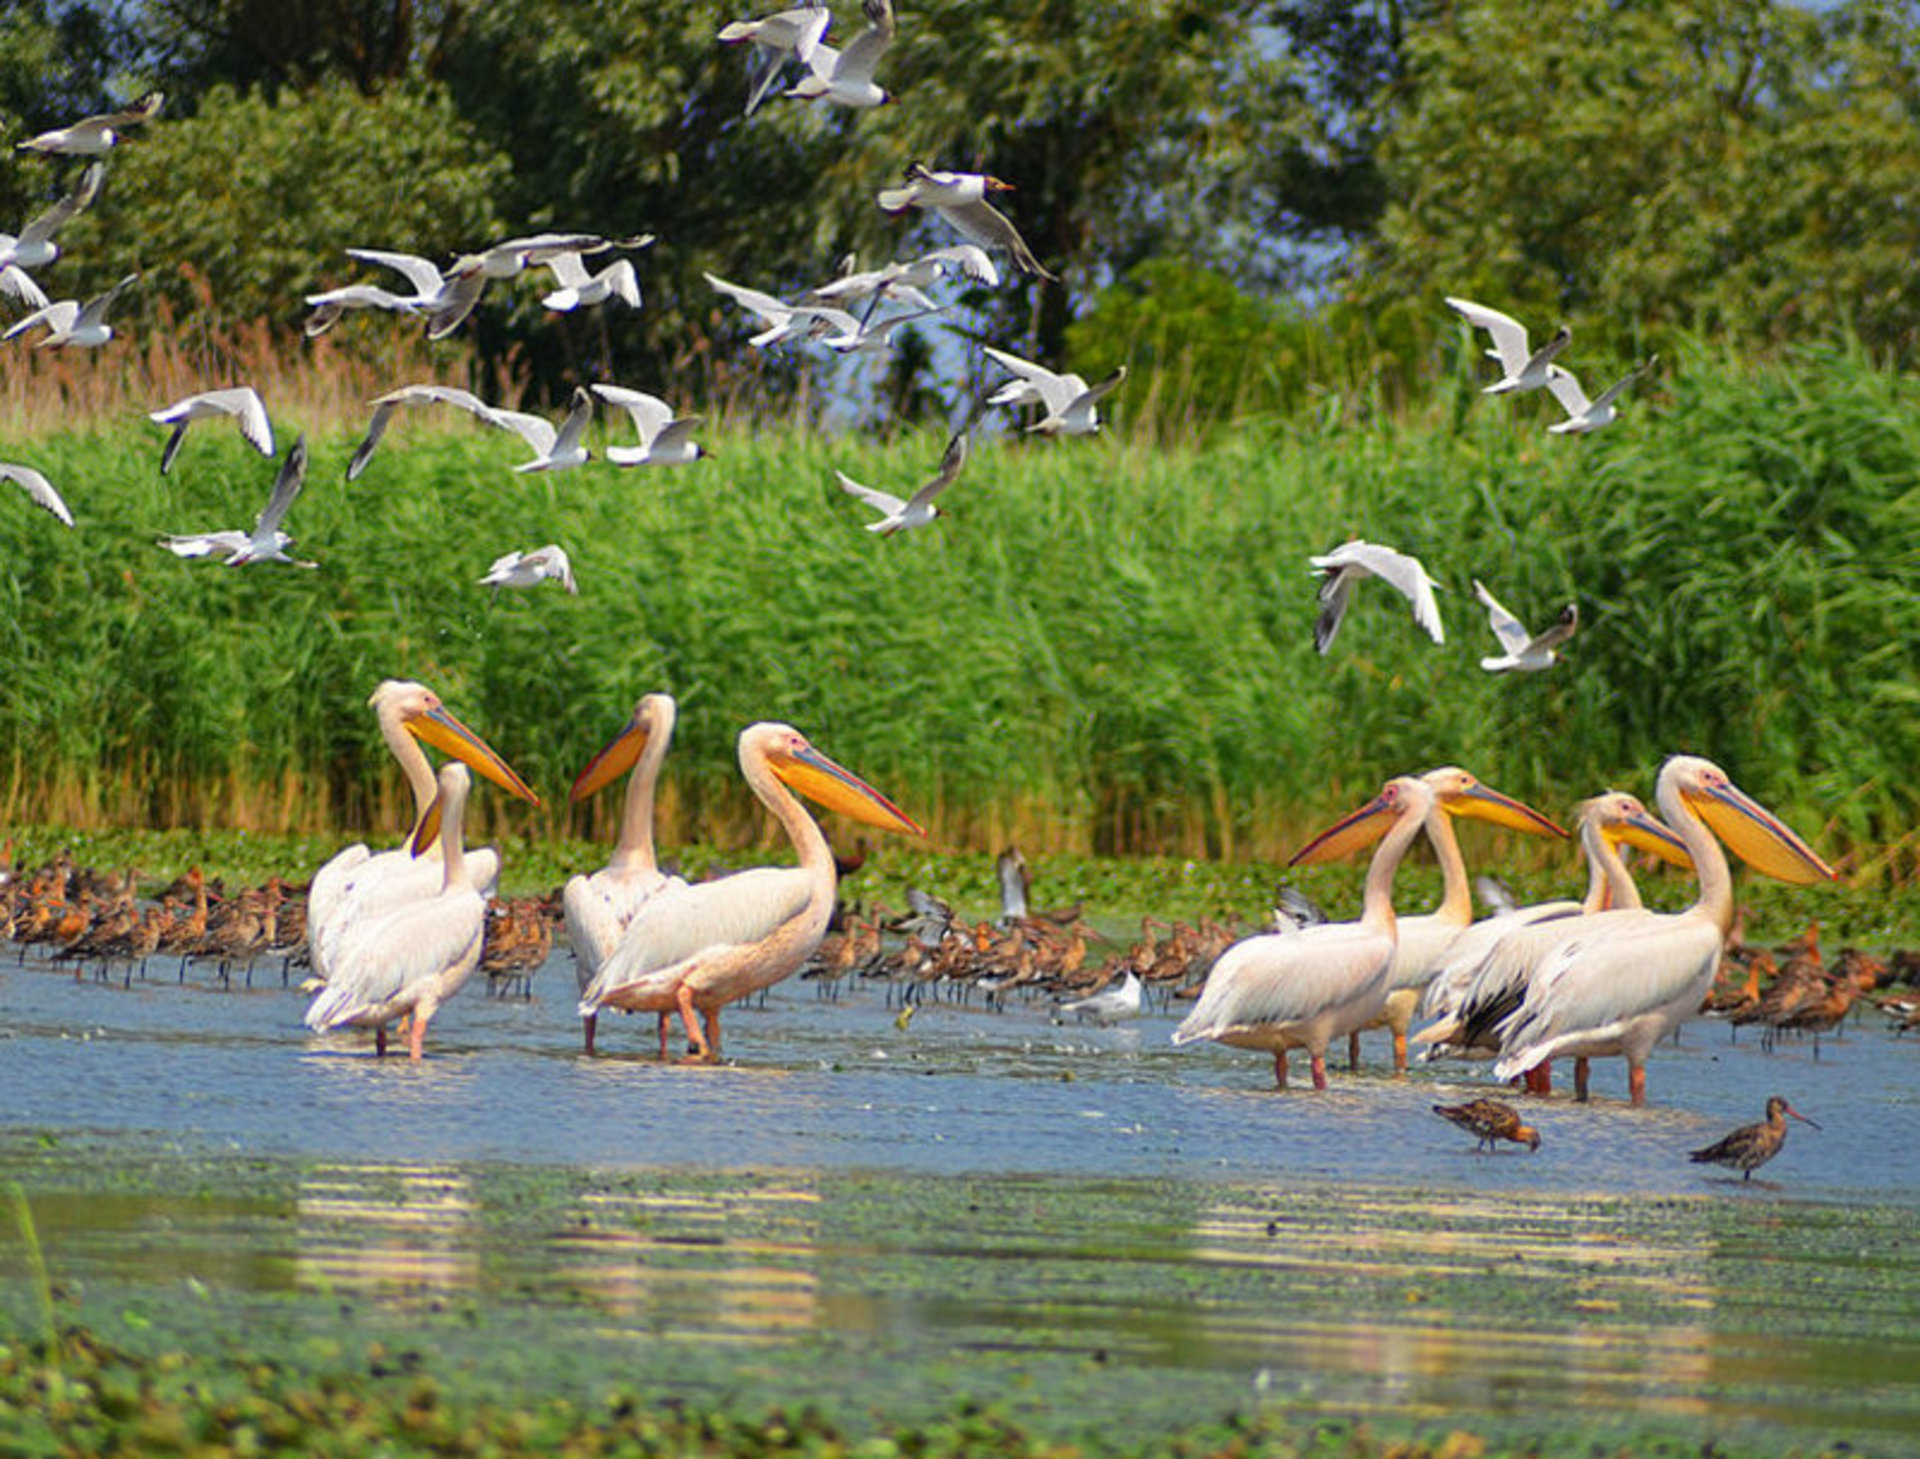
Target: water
x,y
1080,1223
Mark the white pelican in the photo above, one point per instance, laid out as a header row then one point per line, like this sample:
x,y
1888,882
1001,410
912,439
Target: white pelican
x,y
1524,650
242,404
665,439
1616,986
1585,415
845,77
266,542
705,947
34,246
1300,990
1068,404
526,569
1353,561
1422,942
918,510
1487,968
37,488
358,883
599,907
555,448
787,33
1523,368
411,397
410,959
95,136
961,198
69,323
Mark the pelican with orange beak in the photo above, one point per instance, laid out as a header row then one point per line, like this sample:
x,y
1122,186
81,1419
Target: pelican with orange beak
x,y
358,882
1615,987
599,907
698,949
1282,991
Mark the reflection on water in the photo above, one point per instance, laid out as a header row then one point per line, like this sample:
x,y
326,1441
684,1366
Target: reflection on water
x,y
402,1231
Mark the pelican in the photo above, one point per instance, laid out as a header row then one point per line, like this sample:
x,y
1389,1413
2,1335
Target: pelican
x,y
917,510
1615,987
599,907
1524,650
526,569
69,323
95,136
665,439
408,961
412,397
1421,943
961,199
1523,368
1585,415
1280,991
1488,966
357,883
711,944
1352,561
845,77
266,542
38,489
34,246
787,33
1068,403
555,449
243,405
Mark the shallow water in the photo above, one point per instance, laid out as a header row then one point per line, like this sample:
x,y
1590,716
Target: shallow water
x,y
1083,1224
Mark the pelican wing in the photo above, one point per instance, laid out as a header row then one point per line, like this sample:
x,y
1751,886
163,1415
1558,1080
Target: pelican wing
x,y
38,489
673,928
378,959
286,487
1286,977
1511,632
1509,334
599,908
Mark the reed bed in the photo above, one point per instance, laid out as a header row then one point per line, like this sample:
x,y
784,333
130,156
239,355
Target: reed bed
x,y
1105,649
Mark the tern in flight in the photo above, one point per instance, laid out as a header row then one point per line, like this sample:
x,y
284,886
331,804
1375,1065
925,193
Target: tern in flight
x,y
1524,650
1348,563
1524,368
266,542
917,510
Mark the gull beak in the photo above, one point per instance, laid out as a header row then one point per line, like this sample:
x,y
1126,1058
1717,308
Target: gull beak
x,y
1653,835
1756,836
1483,803
816,777
445,733
1348,835
619,756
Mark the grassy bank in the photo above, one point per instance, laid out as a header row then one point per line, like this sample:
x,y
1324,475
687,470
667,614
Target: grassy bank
x,y
1107,648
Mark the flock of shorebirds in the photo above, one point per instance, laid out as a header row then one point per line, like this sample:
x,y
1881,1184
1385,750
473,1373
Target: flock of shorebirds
x,y
391,935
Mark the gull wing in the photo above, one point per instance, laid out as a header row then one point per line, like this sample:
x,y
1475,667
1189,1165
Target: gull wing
x,y
206,544
575,425
421,273
1509,334
42,228
968,259
1564,388
857,61
96,308
143,110
1613,391
983,223
1512,633
537,431
1408,576
286,487
569,269
673,435
58,317
651,415
951,461
1336,590
412,395
1562,629
1051,390
19,283
37,488
455,302
764,305
880,501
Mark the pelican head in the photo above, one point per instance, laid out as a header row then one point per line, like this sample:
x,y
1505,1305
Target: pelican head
x,y
652,716
419,711
1754,833
1403,796
1623,820
799,766
1459,793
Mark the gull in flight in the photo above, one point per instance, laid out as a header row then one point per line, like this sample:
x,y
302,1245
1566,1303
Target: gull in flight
x,y
784,321
961,198
840,331
96,136
69,323
1067,401
38,488
776,38
855,286
524,569
1524,368
1585,415
1524,650
266,542
242,404
34,247
917,510
579,288
665,440
410,397
845,77
329,306
555,449
1352,561
963,260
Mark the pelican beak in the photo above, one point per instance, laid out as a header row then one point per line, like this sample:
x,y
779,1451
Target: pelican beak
x,y
445,733
1484,803
1757,836
428,831
819,779
619,756
1788,1109
1348,835
1651,834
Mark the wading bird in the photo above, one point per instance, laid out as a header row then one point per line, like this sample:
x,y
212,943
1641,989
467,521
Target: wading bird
x,y
1488,1120
266,542
918,510
1522,368
242,404
1524,650
1354,561
1752,1146
961,199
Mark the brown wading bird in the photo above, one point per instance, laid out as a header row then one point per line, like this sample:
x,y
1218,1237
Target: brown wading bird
x,y
1489,1120
1752,1146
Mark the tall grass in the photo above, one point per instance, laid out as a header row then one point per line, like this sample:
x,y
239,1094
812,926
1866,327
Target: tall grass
x,y
1105,648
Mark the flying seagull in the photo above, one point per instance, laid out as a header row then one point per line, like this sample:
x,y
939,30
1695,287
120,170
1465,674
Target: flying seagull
x,y
38,488
665,440
70,323
1067,400
34,246
787,34
412,397
917,510
242,404
97,135
845,77
524,569
961,198
1352,561
1525,369
555,448
1585,415
1524,650
266,542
